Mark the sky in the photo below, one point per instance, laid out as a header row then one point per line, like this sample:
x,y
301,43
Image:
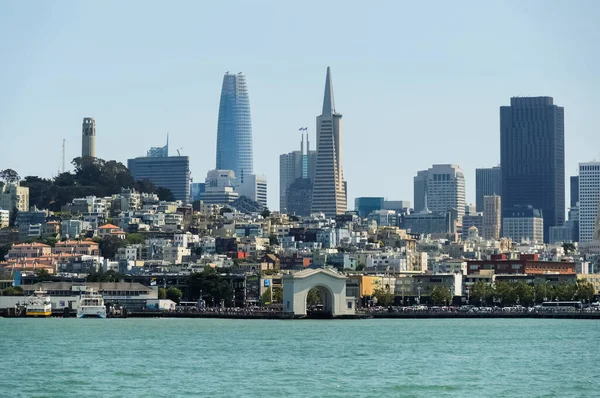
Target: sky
x,y
418,83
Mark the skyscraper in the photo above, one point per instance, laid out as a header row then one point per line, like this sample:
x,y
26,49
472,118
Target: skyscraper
x,y
295,165
234,131
164,171
88,138
440,189
329,188
574,198
492,217
589,196
532,156
488,182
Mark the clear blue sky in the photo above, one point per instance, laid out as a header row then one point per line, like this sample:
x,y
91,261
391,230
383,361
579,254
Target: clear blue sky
x,y
417,82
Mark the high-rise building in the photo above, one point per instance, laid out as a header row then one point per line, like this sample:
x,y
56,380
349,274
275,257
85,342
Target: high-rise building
x,y
14,196
574,198
532,157
492,217
440,189
367,205
234,131
170,172
296,165
329,188
254,187
523,224
298,197
589,196
88,138
488,181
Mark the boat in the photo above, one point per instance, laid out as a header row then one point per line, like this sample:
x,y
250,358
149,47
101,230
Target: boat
x,y
39,304
91,305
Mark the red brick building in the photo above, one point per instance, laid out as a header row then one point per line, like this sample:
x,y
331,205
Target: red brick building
x,y
529,264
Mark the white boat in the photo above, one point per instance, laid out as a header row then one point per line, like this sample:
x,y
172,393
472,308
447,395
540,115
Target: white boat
x,y
38,304
91,305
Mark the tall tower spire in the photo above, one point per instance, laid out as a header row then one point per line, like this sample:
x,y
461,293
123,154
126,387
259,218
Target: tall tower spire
x,y
329,190
234,131
328,102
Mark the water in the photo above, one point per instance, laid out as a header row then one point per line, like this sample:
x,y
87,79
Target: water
x,y
261,358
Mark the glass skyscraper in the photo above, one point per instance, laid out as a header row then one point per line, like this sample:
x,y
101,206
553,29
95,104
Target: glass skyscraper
x,y
532,158
234,132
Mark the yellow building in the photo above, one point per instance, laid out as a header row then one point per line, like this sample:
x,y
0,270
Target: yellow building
x,y
14,196
367,284
594,279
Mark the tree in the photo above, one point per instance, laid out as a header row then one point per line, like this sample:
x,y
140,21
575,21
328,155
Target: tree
x,y
313,297
135,239
165,194
4,251
110,245
162,293
145,186
543,292
265,213
480,292
440,295
265,298
384,296
101,276
174,294
278,295
585,290
13,291
525,293
12,219
566,291
9,176
43,275
212,286
360,267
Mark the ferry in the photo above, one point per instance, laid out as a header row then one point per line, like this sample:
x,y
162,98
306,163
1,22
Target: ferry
x,y
91,305
38,304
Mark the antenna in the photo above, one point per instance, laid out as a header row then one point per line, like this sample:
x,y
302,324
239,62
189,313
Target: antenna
x,y
63,156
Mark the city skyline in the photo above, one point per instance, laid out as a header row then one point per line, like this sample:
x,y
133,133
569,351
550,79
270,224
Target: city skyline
x,y
136,102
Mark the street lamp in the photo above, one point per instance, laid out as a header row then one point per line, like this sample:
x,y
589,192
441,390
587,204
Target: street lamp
x,y
468,295
419,294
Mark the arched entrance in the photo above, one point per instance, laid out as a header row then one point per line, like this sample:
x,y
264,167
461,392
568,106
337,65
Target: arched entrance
x,y
316,291
319,302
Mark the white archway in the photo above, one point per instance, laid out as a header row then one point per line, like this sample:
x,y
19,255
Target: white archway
x,y
296,287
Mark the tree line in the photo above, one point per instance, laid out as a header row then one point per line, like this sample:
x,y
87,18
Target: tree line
x,y
90,177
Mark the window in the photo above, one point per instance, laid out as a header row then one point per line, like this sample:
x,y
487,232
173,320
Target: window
x,y
349,305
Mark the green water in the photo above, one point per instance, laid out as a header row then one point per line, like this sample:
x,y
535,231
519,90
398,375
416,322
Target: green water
x,y
253,358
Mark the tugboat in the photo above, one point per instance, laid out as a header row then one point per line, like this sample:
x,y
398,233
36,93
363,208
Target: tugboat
x,y
38,305
91,305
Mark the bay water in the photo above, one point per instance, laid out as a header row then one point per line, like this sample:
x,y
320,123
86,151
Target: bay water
x,y
306,358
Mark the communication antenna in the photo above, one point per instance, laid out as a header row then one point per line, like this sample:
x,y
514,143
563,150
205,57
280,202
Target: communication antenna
x,y
63,156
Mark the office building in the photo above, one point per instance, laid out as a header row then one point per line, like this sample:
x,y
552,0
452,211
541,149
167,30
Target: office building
x,y
532,156
574,197
488,182
88,138
298,197
293,166
196,189
492,217
234,130
440,189
367,205
170,172
589,196
523,224
253,187
427,223
399,206
329,188
14,196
